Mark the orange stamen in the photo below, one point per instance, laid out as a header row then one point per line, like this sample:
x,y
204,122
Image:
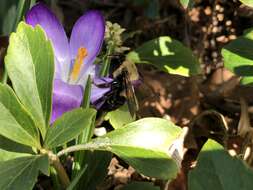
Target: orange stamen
x,y
81,54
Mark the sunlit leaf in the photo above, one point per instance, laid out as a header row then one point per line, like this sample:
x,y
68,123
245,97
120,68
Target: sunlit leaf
x,y
168,55
247,2
119,117
30,66
238,57
143,144
22,172
216,169
16,123
69,126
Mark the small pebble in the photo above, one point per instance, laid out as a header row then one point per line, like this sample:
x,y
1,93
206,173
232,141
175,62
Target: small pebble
x,y
228,23
220,17
208,11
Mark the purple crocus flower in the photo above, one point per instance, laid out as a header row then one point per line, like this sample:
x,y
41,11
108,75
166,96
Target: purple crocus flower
x,y
74,58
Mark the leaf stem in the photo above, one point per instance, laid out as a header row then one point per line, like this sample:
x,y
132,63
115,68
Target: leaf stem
x,y
5,77
88,146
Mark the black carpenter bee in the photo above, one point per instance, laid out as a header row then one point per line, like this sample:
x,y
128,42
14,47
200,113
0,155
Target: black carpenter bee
x,y
127,72
122,89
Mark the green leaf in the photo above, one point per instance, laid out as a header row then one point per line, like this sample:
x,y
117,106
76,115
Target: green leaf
x,y
140,186
30,66
9,20
247,2
13,130
86,96
11,13
85,135
77,178
97,163
187,3
168,55
69,126
184,3
119,117
22,172
7,155
144,144
216,169
238,57
12,146
16,124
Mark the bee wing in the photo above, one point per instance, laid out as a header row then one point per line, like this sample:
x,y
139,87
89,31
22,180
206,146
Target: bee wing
x,y
131,69
132,101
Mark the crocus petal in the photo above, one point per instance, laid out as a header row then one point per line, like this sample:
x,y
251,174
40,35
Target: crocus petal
x,y
102,80
65,98
92,70
100,87
40,14
88,32
97,93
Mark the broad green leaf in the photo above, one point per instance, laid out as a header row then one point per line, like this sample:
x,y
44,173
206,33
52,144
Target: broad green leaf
x,y
168,55
119,117
16,124
30,66
216,169
12,146
238,57
11,129
22,172
7,155
140,186
247,2
43,61
69,126
144,144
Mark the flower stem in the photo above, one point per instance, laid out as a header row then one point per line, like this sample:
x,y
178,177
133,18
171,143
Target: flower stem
x,y
56,163
61,172
55,179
